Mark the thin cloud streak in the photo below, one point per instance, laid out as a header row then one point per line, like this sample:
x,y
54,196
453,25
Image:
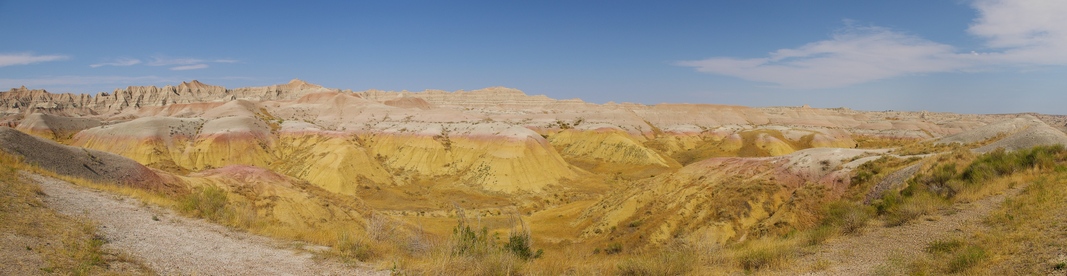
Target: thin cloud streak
x,y
189,67
118,62
27,58
1021,33
186,63
164,61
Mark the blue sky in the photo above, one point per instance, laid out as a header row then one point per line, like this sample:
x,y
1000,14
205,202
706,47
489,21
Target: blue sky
x,y
983,56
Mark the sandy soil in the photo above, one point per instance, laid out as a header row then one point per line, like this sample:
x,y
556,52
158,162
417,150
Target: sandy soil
x,y
171,244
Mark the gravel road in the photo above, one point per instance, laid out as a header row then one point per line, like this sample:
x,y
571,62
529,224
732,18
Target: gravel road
x,y
171,244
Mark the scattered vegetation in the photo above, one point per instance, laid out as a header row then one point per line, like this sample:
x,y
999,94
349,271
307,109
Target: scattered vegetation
x,y
963,176
474,250
1024,236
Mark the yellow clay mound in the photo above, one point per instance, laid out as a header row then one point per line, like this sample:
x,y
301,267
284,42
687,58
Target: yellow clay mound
x,y
610,151
336,164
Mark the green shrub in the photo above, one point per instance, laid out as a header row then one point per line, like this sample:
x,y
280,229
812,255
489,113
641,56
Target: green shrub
x,y
888,202
999,163
613,248
467,242
519,245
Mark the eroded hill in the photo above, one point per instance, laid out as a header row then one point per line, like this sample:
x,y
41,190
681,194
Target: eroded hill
x,y
615,175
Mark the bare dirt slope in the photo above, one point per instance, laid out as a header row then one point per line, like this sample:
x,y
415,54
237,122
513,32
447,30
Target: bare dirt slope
x,y
170,244
863,254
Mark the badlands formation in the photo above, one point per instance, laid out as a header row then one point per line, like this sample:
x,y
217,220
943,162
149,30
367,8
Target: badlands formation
x,y
576,171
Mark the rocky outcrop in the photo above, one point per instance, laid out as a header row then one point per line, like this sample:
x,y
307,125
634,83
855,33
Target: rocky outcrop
x,y
23,100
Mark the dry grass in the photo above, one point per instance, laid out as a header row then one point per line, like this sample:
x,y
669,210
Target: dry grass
x,y
962,176
1025,236
675,259
36,239
765,253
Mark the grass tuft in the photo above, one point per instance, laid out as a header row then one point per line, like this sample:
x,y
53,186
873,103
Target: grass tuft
x,y
765,254
671,260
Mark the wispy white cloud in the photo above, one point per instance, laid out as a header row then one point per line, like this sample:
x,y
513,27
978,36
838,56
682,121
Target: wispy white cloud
x,y
118,62
853,55
27,58
1032,32
1026,32
185,63
164,61
189,67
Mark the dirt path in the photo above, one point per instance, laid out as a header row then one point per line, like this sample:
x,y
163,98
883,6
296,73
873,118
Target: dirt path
x,y
861,255
171,244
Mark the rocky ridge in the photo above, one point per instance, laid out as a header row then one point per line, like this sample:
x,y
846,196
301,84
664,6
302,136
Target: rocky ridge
x,y
23,100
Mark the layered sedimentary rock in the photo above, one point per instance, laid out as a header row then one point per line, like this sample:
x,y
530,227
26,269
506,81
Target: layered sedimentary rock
x,y
727,196
610,150
496,139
